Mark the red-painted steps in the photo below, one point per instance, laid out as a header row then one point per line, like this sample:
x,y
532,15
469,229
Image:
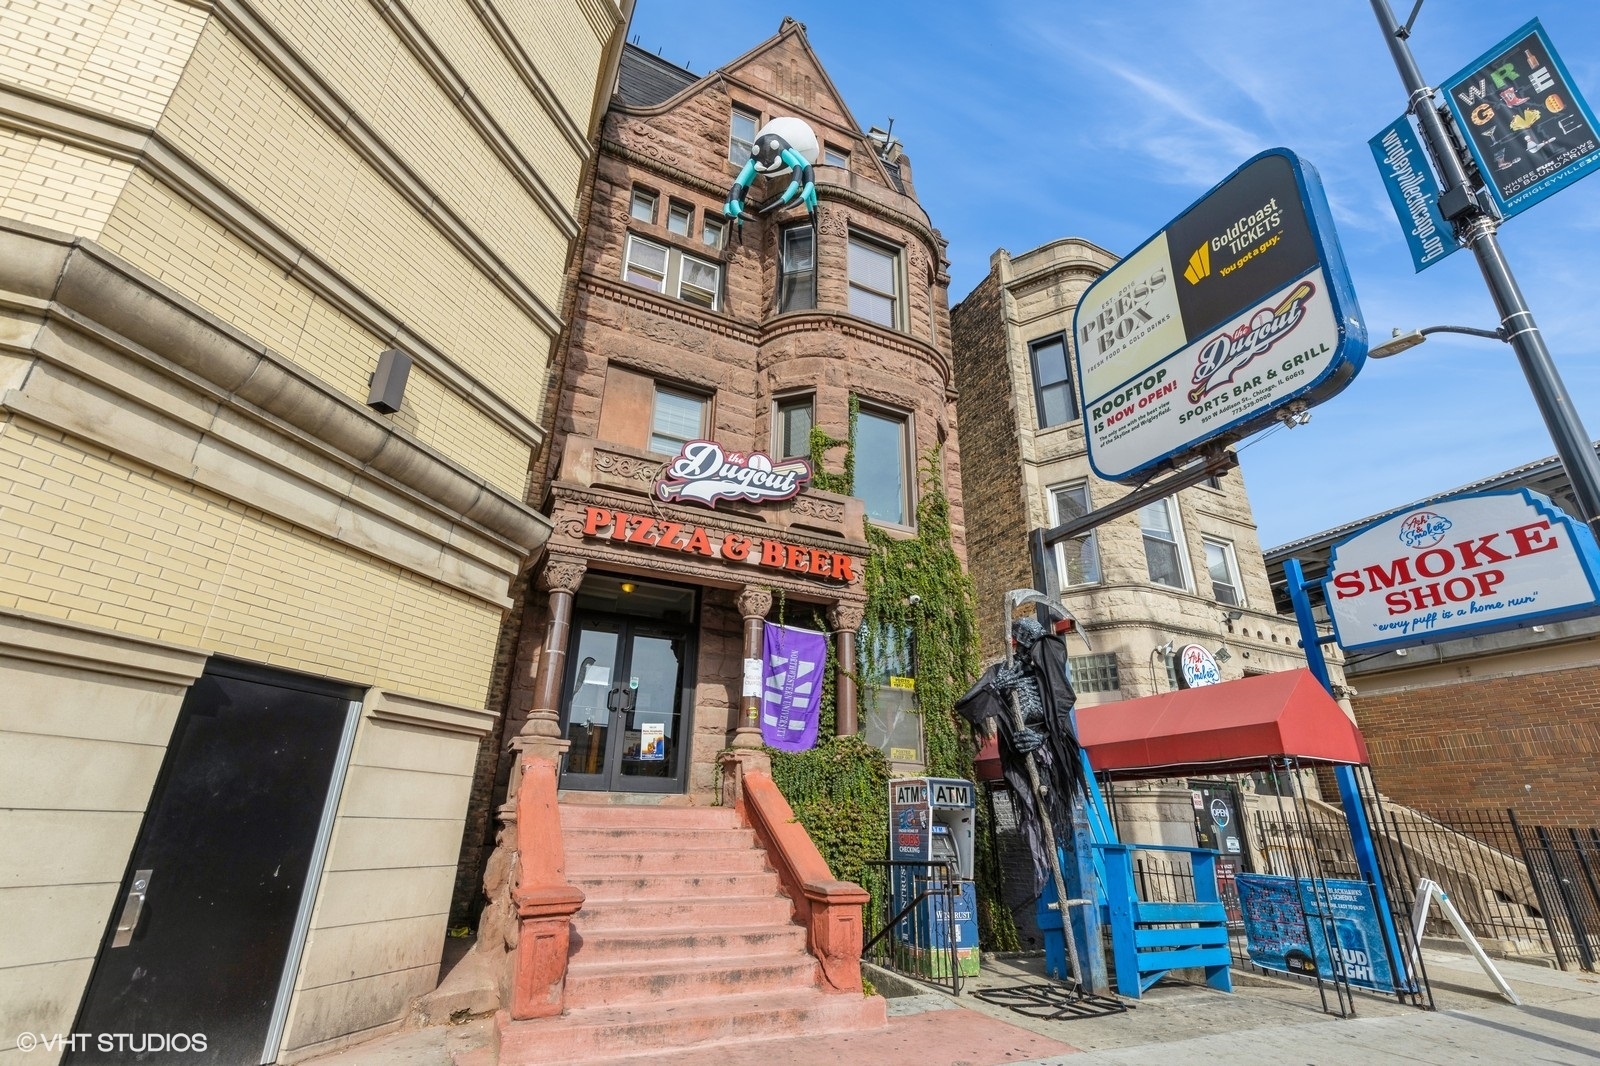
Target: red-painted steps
x,y
684,941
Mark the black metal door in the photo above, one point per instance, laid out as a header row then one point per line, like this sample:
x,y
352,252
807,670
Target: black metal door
x,y
194,955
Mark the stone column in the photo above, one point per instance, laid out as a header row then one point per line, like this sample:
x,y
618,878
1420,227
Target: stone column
x,y
845,618
754,603
561,577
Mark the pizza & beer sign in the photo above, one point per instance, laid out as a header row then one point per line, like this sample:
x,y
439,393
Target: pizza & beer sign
x,y
659,534
1463,566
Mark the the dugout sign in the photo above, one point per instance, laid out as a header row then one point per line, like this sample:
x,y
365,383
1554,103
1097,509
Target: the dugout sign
x,y
1240,306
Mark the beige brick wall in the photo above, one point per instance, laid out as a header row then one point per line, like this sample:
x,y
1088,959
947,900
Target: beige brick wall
x,y
58,185
158,231
234,117
118,57
93,538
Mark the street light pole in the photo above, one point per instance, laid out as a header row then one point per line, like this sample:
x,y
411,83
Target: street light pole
x,y
1477,229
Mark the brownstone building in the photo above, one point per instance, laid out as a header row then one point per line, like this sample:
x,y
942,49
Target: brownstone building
x,y
687,327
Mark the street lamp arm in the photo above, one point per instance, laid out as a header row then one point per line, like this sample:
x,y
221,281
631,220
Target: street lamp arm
x,y
1471,331
1401,341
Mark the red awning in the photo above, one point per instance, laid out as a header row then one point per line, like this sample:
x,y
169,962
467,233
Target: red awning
x,y
1231,727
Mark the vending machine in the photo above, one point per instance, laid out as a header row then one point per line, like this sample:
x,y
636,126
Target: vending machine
x,y
932,820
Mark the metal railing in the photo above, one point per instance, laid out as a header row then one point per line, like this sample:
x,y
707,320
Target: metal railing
x,y
1522,889
919,939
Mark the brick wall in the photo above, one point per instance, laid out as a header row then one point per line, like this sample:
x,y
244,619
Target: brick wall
x,y
990,458
1479,742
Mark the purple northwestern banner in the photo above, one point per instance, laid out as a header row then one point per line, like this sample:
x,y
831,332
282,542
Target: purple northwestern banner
x,y
791,692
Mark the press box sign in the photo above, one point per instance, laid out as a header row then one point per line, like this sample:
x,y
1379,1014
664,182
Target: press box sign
x,y
1463,566
1240,306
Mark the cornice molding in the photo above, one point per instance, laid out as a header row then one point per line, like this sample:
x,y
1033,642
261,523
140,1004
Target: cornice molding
x,y
147,149
181,390
75,646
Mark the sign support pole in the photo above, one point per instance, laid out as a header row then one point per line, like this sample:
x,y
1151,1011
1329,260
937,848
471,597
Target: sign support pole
x,y
1477,229
1355,811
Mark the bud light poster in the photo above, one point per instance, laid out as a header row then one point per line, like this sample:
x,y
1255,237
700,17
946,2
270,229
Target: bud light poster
x,y
1284,929
792,692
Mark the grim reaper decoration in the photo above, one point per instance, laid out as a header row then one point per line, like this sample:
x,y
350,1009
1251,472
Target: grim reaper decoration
x,y
1033,686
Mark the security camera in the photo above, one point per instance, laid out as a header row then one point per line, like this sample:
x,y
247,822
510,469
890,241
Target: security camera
x,y
913,599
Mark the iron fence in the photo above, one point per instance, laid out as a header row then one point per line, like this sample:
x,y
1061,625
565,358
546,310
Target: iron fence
x,y
1522,889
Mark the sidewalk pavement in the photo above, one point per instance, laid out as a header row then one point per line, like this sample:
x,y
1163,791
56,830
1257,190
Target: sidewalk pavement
x,y
1266,1022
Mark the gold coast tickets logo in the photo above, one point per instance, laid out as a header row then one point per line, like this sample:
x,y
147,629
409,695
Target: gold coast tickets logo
x,y
1232,352
1199,264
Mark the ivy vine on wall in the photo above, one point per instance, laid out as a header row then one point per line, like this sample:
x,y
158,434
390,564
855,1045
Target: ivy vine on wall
x,y
916,588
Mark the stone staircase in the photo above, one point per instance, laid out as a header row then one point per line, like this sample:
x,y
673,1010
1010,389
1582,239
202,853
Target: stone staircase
x,y
684,940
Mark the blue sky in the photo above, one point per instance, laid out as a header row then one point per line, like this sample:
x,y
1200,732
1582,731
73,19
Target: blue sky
x,y
1029,121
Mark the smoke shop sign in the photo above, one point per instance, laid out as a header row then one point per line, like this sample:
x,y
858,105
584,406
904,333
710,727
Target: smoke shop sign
x,y
1463,566
704,473
1237,308
648,531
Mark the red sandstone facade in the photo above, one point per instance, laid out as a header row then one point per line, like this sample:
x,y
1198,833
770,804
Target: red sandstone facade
x,y
625,580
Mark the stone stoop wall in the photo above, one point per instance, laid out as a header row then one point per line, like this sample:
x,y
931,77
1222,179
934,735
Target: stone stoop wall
x,y
1477,743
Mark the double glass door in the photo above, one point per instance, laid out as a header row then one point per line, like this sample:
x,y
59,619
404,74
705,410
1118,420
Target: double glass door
x,y
626,690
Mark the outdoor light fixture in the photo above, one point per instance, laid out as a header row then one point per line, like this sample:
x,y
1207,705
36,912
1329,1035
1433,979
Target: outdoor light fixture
x,y
1231,617
627,586
1222,654
1401,341
387,386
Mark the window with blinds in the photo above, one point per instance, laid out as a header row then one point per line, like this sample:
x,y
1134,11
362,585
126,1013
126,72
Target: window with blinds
x,y
874,282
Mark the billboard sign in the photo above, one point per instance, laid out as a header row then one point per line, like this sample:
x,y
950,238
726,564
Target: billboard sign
x,y
1468,565
1529,130
1414,192
1238,307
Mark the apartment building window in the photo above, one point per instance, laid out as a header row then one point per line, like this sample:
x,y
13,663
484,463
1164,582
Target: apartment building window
x,y
643,207
742,135
835,157
797,283
678,417
672,272
680,218
1077,559
1095,673
1163,539
1223,566
711,232
1213,482
645,264
1052,383
874,282
883,476
792,433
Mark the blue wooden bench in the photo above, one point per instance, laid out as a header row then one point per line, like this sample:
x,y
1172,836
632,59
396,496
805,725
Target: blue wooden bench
x,y
1150,939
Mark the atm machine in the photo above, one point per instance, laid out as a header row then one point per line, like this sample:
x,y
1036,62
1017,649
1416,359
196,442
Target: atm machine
x,y
932,820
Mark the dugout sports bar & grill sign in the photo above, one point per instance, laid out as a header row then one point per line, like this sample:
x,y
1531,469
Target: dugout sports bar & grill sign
x,y
1468,565
1238,307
